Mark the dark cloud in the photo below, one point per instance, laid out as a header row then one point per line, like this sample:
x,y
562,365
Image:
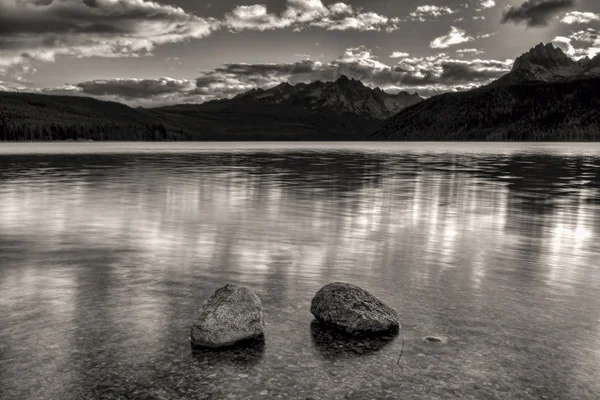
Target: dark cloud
x,y
136,88
85,28
535,13
469,72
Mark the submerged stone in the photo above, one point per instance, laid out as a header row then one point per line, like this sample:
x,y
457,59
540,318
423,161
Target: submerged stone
x,y
432,339
232,314
332,342
353,310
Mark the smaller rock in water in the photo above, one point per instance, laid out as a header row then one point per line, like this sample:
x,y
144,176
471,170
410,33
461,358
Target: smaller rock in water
x,y
353,310
432,339
232,314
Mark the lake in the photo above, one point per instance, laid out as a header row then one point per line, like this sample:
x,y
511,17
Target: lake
x,y
107,250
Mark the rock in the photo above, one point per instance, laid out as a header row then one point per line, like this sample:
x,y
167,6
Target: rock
x,y
433,339
353,310
232,314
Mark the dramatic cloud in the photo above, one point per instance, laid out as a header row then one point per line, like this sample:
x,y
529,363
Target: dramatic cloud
x,y
536,13
41,30
576,17
106,28
427,75
300,14
426,13
455,36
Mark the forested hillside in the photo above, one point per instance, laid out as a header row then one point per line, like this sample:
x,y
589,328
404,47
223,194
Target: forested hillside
x,y
567,110
26,116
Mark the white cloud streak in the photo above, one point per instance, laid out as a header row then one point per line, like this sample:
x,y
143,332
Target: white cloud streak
x,y
429,12
455,36
576,17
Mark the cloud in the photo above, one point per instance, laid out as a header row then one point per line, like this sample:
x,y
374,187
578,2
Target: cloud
x,y
487,4
427,75
254,17
301,14
535,13
129,89
399,54
470,51
576,17
455,36
443,70
486,35
426,13
106,28
584,43
479,5
41,30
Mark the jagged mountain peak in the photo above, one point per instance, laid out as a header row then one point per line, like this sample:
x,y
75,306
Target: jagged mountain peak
x,y
545,55
548,63
344,95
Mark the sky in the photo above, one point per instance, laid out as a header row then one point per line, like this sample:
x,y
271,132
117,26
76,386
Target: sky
x,y
153,53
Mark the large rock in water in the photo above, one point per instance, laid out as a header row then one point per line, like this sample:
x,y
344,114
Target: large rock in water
x,y
232,314
353,310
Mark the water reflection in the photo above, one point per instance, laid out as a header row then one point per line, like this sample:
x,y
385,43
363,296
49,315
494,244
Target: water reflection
x,y
245,352
106,256
332,343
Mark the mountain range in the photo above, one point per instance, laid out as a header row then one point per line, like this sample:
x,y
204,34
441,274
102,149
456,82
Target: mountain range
x,y
344,96
341,110
546,96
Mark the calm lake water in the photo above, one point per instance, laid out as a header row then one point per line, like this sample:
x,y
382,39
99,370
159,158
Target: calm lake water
x,y
107,249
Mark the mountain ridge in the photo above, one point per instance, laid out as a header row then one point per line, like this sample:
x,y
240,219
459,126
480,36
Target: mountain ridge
x,y
343,96
547,63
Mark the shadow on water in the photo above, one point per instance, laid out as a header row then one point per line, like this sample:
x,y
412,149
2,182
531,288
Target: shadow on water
x,y
333,343
247,352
